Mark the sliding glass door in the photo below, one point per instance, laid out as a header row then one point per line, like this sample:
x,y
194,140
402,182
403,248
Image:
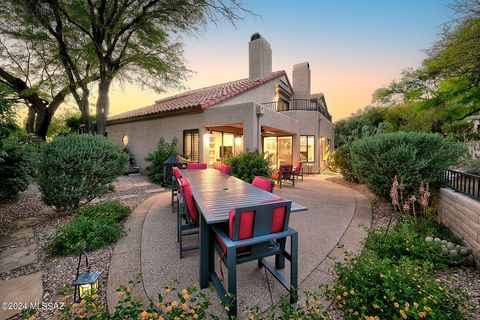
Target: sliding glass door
x,y
279,150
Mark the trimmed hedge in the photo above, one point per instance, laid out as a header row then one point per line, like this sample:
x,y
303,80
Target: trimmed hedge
x,y
77,168
247,165
411,156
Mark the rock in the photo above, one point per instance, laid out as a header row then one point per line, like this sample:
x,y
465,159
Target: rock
x,y
458,246
24,289
450,246
428,239
437,240
464,252
468,249
444,241
17,257
470,261
454,254
445,251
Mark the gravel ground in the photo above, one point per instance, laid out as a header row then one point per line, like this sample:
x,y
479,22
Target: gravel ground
x,y
464,278
60,270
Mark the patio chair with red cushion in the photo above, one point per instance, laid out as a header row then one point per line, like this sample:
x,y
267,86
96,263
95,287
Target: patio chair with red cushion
x,y
187,215
225,169
197,166
255,233
176,175
285,173
263,183
298,172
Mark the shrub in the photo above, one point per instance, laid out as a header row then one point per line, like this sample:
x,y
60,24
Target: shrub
x,y
162,151
411,156
247,165
16,169
471,166
94,226
368,286
77,168
342,160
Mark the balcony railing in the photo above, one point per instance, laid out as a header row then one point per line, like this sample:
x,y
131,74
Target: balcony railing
x,y
465,183
298,104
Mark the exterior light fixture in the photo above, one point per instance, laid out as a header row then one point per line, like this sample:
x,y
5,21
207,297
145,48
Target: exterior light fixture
x,y
86,283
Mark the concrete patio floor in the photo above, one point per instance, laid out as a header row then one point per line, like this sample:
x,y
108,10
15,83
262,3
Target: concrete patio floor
x,y
336,221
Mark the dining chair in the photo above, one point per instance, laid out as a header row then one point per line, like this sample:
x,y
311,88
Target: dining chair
x,y
225,169
285,173
298,172
253,234
176,175
263,183
187,216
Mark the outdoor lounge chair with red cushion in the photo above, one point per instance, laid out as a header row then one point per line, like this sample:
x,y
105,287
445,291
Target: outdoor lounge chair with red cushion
x,y
263,183
225,169
298,172
255,233
187,215
285,172
176,175
197,166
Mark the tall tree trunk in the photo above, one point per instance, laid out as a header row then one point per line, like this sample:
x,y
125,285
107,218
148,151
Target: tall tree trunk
x,y
103,104
42,122
30,125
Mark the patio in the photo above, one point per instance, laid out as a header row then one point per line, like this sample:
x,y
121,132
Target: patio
x,y
334,223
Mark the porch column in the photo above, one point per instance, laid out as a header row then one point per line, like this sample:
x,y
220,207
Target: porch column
x,y
251,129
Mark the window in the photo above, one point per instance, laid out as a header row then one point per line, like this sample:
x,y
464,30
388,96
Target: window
x,y
190,144
307,148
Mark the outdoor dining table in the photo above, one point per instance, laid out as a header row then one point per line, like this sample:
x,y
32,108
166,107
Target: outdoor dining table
x,y
215,194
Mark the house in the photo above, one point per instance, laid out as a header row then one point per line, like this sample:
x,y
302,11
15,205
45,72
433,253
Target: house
x,y
264,112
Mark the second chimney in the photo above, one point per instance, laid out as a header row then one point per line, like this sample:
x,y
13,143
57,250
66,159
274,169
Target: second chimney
x,y
301,81
260,57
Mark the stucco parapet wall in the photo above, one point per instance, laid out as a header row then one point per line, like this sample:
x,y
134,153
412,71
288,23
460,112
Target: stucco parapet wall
x,y
462,215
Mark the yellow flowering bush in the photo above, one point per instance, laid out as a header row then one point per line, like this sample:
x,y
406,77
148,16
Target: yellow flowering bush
x,y
369,287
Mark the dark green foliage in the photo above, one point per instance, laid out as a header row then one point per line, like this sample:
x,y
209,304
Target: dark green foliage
x,y
75,169
342,159
8,125
17,167
470,166
407,239
369,286
94,226
247,165
411,156
162,151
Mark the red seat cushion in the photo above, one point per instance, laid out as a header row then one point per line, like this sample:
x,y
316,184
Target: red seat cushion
x,y
278,216
187,193
276,176
298,167
225,169
196,166
263,183
177,173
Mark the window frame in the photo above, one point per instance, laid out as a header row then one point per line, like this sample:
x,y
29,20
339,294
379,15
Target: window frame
x,y
192,133
307,145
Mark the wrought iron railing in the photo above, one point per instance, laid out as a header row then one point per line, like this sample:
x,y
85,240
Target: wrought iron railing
x,y
298,104
465,183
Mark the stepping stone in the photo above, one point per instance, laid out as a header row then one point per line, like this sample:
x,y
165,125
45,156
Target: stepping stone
x,y
155,190
42,216
25,289
16,237
14,258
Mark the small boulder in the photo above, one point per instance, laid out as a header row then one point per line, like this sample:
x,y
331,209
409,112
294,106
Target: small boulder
x,y
450,246
428,239
454,254
437,240
464,252
445,251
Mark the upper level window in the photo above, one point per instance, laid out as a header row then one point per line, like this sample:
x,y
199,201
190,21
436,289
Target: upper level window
x,y
307,148
190,144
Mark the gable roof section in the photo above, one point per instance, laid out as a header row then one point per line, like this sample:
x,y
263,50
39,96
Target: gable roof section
x,y
197,99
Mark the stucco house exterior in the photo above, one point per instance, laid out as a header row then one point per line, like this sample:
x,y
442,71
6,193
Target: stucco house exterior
x,y
264,112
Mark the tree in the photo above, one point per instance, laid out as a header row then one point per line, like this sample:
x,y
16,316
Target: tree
x,y
8,124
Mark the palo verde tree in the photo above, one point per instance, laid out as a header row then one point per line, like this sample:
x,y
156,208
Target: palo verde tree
x,y
129,40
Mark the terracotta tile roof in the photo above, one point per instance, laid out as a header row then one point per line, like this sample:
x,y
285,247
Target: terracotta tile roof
x,y
199,98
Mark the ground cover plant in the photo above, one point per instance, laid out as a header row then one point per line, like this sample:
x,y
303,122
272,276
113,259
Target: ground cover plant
x,y
162,151
94,226
247,165
77,168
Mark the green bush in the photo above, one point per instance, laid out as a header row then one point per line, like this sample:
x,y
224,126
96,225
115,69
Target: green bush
x,y
162,151
342,159
247,165
407,239
411,156
77,168
92,228
16,169
368,286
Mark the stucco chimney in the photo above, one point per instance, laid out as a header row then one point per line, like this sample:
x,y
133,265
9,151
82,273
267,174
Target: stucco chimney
x,y
301,80
260,57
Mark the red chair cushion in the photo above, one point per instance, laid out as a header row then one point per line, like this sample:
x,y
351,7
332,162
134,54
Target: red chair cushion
x,y
276,176
263,183
177,173
278,216
298,167
225,169
187,193
196,166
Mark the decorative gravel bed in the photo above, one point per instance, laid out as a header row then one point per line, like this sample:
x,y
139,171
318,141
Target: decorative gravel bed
x,y
60,270
465,278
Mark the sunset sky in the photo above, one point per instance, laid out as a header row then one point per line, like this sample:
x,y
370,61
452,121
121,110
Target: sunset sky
x,y
353,47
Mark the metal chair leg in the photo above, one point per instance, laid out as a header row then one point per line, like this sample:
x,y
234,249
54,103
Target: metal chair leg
x,y
232,281
294,268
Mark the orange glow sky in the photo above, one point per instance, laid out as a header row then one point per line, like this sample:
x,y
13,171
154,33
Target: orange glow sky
x,y
353,47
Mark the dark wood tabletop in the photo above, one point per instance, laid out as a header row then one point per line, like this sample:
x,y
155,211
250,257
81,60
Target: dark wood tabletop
x,y
216,193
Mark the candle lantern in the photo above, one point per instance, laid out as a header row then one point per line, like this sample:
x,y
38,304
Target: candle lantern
x,y
86,283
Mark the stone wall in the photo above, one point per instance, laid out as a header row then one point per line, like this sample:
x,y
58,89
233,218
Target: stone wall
x,y
462,215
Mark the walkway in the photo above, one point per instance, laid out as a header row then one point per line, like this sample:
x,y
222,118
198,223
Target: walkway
x,y
335,222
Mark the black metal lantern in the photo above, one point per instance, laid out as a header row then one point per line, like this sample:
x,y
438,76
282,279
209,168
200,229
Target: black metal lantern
x,y
87,283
